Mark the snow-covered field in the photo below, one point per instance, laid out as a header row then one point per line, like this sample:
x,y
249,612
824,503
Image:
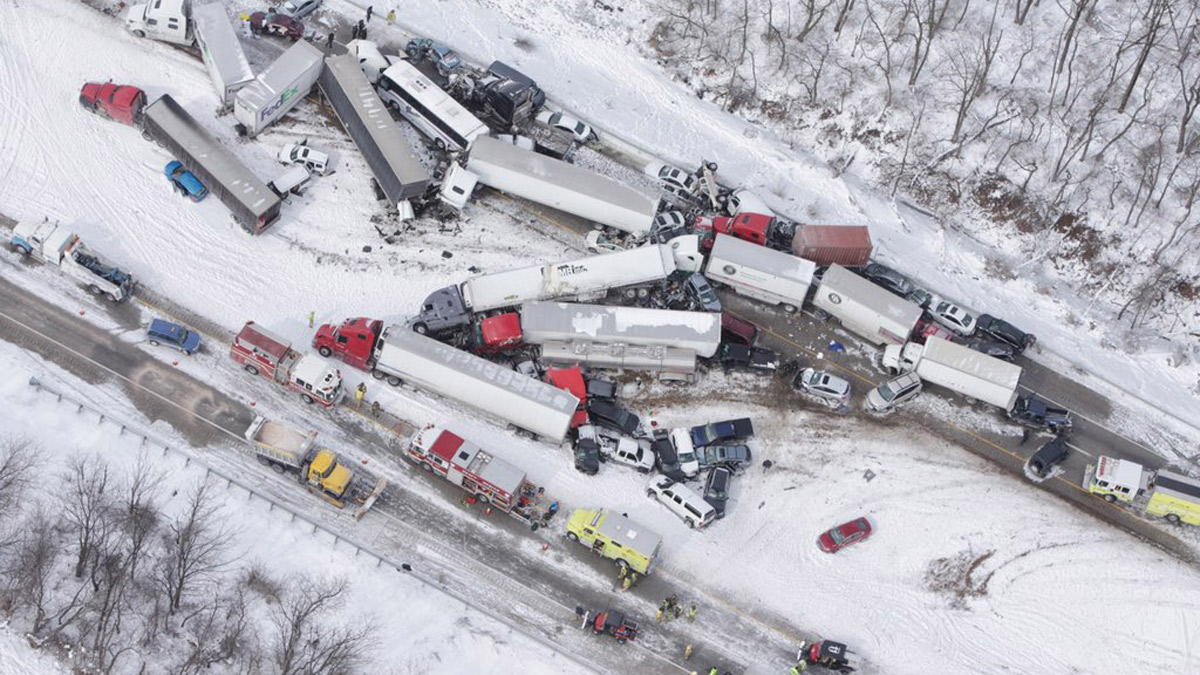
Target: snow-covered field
x,y
969,571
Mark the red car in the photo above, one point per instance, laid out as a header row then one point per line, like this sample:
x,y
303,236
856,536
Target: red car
x,y
843,535
927,328
119,102
276,24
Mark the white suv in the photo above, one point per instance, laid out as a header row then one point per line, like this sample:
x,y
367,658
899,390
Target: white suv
x,y
682,501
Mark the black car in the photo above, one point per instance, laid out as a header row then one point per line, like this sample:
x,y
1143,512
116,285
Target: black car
x,y
604,389
999,329
666,459
587,456
995,348
716,489
1035,413
609,414
755,359
1049,456
882,275
735,456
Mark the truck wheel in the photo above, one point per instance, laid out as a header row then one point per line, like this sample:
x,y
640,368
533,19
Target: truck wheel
x,y
572,536
482,498
427,466
690,523
139,33
651,495
420,329
621,562
263,460
377,375
393,380
155,343
790,309
1173,518
94,289
1110,498
21,249
113,297
251,369
324,351
307,399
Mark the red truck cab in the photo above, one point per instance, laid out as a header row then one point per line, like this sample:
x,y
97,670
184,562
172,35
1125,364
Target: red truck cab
x,y
119,102
753,227
496,334
571,380
352,342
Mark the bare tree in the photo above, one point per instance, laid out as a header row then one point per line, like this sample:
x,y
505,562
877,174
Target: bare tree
x,y
843,14
1075,12
215,632
305,644
140,517
29,571
1152,19
193,547
814,11
84,502
111,582
927,19
1023,7
969,67
18,463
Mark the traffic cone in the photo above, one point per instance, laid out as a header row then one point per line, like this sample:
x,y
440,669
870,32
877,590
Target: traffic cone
x,y
175,363
545,547
252,404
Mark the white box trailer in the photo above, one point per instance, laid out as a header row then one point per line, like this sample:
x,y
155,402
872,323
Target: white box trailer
x,y
278,88
528,404
759,272
559,185
670,363
584,279
865,309
699,332
958,368
221,50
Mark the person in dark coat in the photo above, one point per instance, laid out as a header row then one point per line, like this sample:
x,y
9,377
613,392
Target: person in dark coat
x,y
370,10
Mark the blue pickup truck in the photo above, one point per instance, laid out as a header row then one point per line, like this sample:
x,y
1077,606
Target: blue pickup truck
x,y
164,332
728,430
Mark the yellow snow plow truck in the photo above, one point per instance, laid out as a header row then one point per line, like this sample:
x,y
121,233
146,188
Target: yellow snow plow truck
x,y
319,469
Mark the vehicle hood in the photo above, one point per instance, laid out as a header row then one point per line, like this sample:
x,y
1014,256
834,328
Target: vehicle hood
x,y
826,542
192,343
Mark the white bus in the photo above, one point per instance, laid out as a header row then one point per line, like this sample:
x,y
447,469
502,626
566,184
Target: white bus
x,y
428,107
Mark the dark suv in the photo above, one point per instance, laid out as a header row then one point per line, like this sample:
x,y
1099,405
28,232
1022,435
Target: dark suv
x,y
666,458
740,357
716,489
735,456
1005,332
587,456
1049,456
609,414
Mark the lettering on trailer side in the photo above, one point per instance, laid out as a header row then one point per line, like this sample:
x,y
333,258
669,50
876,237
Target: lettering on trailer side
x,y
286,96
567,269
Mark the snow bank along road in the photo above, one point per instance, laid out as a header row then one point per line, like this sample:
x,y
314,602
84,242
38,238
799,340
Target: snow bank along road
x,y
492,561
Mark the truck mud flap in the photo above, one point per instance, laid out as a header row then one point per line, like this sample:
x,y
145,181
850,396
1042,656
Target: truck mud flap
x,y
371,498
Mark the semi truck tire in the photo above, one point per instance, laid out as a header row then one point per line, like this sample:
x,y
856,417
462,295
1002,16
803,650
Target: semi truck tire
x,y
420,329
393,380
377,375
251,369
94,289
790,309
324,351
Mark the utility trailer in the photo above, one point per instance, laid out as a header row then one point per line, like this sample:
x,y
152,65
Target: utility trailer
x,y
530,405
669,363
320,470
221,50
493,481
760,273
846,245
53,244
957,368
278,88
878,316
698,332
559,185
254,205
398,172
635,271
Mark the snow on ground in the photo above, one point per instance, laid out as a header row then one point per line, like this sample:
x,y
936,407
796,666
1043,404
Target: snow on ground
x,y
420,630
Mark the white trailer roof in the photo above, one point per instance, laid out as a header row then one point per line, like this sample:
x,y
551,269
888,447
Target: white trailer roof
x,y
967,360
629,533
299,59
628,208
760,257
698,331
838,279
219,45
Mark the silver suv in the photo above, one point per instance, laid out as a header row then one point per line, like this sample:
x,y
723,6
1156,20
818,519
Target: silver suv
x,y
893,392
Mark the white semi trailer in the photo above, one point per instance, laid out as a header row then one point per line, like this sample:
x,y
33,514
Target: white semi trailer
x,y
876,315
559,185
585,279
528,404
957,368
698,332
278,88
221,50
759,272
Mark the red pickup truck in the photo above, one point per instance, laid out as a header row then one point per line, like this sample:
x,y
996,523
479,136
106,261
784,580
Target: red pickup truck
x,y
120,102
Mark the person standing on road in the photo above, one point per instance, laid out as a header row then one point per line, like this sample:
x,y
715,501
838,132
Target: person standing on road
x,y
359,395
375,409
626,583
687,653
370,10
391,17
658,615
329,41
311,315
691,614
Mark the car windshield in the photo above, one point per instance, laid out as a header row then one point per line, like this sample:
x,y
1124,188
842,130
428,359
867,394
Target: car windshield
x,y
836,535
716,493
580,129
886,391
687,456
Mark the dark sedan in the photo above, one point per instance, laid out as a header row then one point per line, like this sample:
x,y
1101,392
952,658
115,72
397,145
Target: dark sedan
x,y
1004,331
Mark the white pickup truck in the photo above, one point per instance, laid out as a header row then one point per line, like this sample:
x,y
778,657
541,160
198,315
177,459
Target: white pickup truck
x,y
52,244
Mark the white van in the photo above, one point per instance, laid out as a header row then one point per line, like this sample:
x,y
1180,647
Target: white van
x,y
682,501
686,452
293,181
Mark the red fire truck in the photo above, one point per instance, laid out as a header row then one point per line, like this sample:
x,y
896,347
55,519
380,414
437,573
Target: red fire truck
x,y
489,479
262,352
